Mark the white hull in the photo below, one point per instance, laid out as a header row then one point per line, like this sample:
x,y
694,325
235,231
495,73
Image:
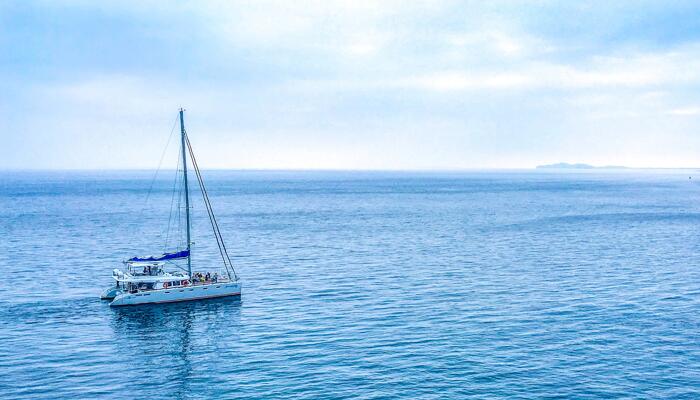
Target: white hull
x,y
183,293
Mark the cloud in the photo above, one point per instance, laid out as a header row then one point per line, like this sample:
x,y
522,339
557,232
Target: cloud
x,y
687,111
317,82
633,71
459,81
111,93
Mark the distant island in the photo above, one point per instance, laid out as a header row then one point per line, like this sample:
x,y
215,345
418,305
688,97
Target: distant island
x,y
577,166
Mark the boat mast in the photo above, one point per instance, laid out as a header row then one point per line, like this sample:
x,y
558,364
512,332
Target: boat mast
x,y
187,191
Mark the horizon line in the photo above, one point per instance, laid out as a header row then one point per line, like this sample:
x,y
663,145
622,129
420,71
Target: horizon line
x,y
536,168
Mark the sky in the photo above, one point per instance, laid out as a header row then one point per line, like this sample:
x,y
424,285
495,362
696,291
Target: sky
x,y
386,85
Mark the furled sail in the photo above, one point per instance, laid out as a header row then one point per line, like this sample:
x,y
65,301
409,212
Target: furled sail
x,y
163,257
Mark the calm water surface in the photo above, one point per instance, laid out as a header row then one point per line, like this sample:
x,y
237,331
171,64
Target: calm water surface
x,y
361,285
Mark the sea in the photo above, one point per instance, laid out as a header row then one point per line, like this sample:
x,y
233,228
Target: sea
x,y
527,284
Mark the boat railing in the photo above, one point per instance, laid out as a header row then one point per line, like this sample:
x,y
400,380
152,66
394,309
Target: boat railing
x,y
181,286
210,282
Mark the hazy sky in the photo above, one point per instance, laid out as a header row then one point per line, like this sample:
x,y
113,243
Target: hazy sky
x,y
351,84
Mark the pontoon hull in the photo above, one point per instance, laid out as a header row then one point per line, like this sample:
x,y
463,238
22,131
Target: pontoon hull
x,y
187,293
110,293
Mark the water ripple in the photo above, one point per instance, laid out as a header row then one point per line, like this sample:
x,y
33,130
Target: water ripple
x,y
360,285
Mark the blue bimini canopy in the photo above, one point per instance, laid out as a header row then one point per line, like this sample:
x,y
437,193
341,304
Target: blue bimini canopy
x,y
163,257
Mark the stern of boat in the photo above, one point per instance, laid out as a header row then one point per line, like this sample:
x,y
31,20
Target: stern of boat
x,y
110,293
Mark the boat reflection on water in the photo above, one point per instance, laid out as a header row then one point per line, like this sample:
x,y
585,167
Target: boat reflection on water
x,y
156,317
172,338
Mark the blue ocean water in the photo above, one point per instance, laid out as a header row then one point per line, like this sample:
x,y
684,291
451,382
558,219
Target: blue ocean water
x,y
509,284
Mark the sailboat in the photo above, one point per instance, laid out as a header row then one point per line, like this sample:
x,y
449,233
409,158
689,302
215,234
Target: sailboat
x,y
159,279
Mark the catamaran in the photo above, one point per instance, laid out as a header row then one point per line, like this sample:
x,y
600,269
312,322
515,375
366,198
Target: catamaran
x,y
160,279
